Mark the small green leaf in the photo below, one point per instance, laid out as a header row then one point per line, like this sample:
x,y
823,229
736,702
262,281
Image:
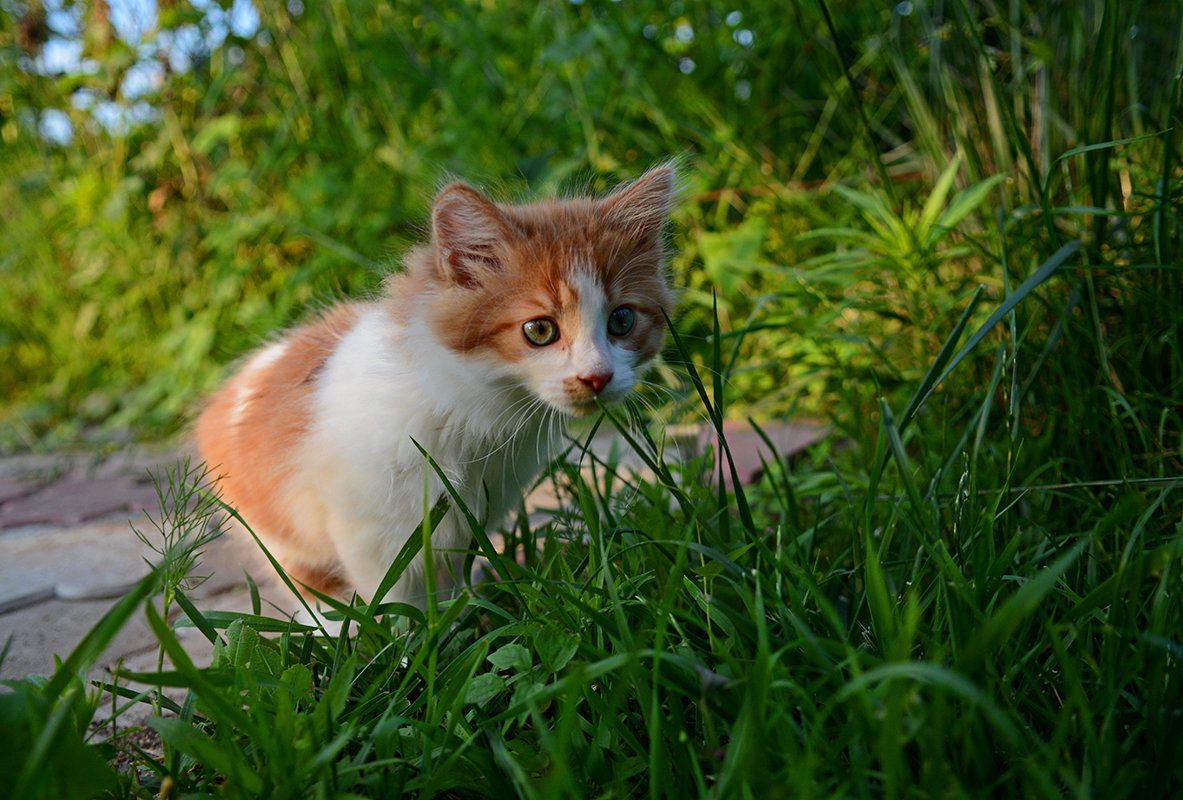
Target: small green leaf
x,y
729,255
337,692
483,688
526,690
874,207
965,202
556,647
298,676
510,656
710,569
932,206
240,643
266,659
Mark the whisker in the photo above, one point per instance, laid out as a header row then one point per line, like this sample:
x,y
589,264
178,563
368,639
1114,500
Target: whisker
x,y
524,408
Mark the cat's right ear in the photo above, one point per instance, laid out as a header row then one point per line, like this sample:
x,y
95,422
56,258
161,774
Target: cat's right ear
x,y
639,210
468,232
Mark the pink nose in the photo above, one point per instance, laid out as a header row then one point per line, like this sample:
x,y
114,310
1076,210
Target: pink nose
x,y
596,382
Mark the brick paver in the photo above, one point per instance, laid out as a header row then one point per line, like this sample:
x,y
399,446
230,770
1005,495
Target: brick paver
x,y
67,549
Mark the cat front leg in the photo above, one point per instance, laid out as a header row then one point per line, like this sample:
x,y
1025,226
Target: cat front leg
x,y
367,549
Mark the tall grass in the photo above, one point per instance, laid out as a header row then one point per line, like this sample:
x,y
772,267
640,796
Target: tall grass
x,y
915,620
971,590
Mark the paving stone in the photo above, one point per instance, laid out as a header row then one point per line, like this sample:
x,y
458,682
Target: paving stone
x,y
35,466
76,487
15,489
747,447
65,533
75,500
96,560
40,632
87,559
56,628
74,575
140,462
23,475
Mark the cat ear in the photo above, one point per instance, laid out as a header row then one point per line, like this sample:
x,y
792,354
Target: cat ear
x,y
639,209
467,230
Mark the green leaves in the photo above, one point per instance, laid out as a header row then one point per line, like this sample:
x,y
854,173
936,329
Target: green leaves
x,y
729,256
510,657
483,688
910,242
43,752
243,648
554,648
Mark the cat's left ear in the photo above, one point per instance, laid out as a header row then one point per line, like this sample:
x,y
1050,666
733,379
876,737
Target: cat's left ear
x,y
468,232
640,209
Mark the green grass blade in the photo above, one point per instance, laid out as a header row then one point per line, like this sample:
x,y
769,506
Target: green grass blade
x,y
98,637
194,617
938,675
931,377
1007,617
1040,275
936,198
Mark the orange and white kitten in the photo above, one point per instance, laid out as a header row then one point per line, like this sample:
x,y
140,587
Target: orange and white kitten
x,y
511,318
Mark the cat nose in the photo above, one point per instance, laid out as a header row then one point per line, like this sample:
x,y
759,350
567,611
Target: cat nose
x,y
596,382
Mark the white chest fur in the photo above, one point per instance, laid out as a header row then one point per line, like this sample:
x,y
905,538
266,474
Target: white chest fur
x,y
362,479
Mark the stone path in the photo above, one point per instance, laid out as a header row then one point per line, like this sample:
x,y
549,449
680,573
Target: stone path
x,y
68,552
67,549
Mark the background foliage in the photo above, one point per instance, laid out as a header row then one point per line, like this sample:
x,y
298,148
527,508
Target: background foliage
x,y
972,588
254,179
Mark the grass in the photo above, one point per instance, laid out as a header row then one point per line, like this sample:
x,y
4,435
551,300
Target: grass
x,y
972,589
900,621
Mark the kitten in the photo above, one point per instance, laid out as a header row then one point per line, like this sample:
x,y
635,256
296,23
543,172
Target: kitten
x,y
510,319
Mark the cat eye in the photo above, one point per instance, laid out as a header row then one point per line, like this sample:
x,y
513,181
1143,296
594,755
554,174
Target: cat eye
x,y
541,331
621,321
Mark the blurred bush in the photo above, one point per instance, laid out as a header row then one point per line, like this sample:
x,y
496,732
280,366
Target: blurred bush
x,y
255,163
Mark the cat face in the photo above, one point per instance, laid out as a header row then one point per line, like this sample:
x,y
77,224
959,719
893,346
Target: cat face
x,y
564,296
586,340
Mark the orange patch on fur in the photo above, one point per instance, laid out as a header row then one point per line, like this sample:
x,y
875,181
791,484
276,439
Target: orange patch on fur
x,y
251,428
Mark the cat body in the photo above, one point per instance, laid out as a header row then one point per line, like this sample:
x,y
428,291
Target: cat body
x,y
511,319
